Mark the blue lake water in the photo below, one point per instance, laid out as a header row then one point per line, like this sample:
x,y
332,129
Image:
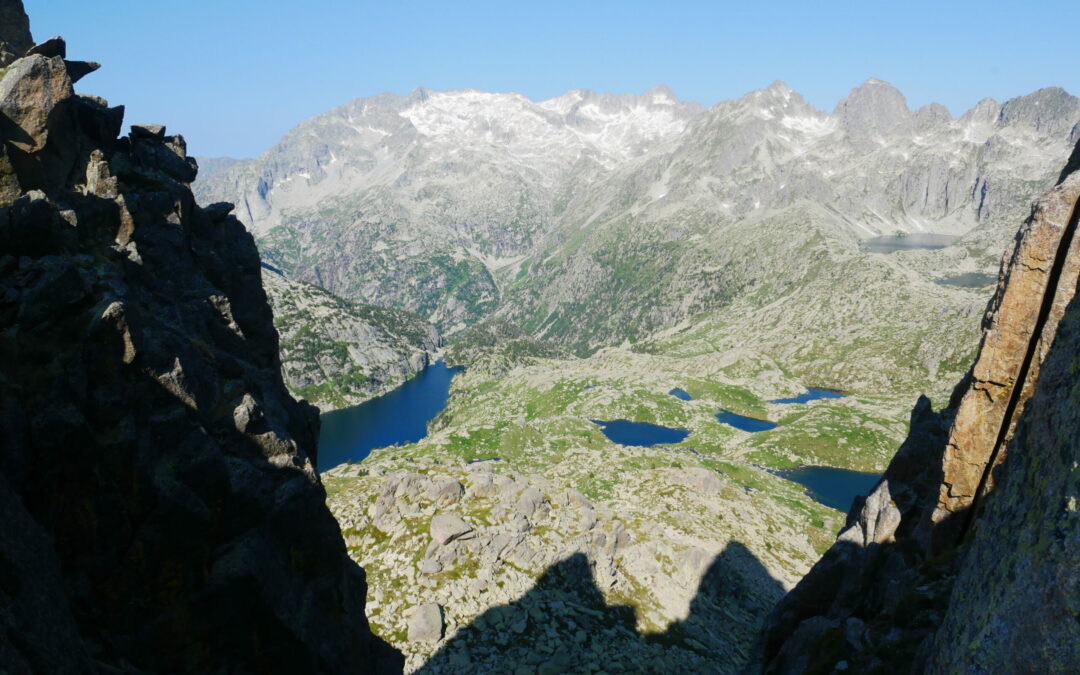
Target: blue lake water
x,y
835,488
745,423
625,432
892,243
398,416
681,394
969,280
810,395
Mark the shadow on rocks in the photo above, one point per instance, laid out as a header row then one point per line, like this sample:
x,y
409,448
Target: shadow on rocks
x,y
563,624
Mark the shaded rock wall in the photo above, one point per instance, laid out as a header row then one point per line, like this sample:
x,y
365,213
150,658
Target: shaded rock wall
x,y
161,509
877,598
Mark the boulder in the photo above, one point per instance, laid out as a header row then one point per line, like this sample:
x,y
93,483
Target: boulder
x,y
148,131
77,70
447,527
218,210
445,492
54,46
426,623
31,89
529,502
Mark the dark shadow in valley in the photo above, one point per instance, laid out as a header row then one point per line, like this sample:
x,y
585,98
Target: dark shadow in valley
x,y
564,624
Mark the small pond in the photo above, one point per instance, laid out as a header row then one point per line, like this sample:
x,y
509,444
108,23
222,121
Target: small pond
x,y
398,416
969,280
835,488
625,432
750,424
681,394
810,395
892,243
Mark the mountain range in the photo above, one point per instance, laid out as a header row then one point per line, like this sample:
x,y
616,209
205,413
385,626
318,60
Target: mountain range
x,y
163,509
591,219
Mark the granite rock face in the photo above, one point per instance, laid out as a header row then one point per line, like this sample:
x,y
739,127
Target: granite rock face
x,y
1039,280
161,509
1015,600
963,558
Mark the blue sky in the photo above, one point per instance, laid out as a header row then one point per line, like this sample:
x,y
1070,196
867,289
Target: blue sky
x,y
234,75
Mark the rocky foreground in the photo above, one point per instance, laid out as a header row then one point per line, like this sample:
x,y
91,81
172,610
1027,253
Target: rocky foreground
x,y
161,511
533,539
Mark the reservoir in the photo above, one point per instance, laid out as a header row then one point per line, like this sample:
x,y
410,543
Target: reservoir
x,y
680,394
625,432
969,280
810,395
907,242
398,416
835,488
750,424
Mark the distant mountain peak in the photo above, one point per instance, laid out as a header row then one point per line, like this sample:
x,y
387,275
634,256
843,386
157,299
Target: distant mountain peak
x,y
1051,110
873,109
661,94
419,95
779,87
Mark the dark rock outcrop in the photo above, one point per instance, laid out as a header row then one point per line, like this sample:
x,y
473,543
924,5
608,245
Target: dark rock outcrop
x,y
161,508
964,557
15,37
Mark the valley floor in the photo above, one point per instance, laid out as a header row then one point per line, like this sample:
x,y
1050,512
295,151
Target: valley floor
x,y
516,532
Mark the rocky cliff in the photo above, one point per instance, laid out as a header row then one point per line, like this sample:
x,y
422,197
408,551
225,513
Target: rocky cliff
x,y
964,557
337,353
161,508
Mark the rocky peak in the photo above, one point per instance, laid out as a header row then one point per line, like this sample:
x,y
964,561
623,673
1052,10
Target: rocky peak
x,y
985,111
15,38
161,508
779,89
661,94
932,115
875,108
1051,110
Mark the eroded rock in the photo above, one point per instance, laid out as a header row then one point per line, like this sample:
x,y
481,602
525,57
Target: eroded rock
x,y
426,623
447,527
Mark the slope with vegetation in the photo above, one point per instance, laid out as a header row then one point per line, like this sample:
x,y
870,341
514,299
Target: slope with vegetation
x,y
337,353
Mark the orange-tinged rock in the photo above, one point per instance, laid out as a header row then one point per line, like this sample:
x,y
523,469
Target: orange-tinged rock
x,y
1039,277
30,92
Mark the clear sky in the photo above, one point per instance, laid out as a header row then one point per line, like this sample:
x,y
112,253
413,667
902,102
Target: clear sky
x,y
234,75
